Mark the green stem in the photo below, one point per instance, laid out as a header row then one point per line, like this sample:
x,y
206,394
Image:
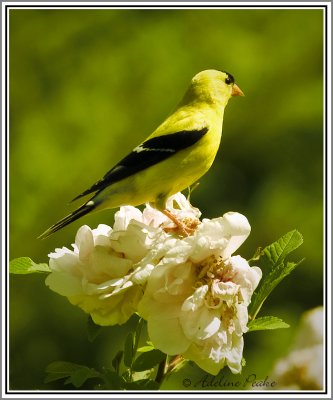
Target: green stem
x,y
160,372
136,345
138,334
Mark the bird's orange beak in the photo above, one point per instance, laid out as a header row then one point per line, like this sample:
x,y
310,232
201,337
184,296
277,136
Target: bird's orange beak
x,y
236,91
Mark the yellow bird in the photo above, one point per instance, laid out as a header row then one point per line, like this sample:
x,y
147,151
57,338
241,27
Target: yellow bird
x,y
172,158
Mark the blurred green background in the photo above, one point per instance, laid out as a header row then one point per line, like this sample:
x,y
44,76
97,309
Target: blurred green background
x,y
86,86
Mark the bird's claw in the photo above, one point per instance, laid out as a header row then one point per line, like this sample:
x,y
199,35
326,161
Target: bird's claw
x,y
185,228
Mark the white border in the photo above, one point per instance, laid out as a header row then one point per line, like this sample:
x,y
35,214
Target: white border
x,y
167,4
328,261
4,199
327,178
3,194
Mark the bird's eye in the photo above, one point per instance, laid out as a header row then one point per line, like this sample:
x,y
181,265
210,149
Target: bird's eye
x,y
228,80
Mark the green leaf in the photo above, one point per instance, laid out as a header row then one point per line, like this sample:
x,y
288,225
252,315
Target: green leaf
x,y
144,349
271,260
76,374
129,350
268,284
92,329
112,381
24,265
137,334
148,360
274,254
264,323
138,376
117,360
143,384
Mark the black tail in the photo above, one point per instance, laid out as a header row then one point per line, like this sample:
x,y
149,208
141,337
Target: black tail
x,y
84,209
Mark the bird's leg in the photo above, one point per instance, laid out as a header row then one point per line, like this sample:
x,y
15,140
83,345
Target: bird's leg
x,y
180,225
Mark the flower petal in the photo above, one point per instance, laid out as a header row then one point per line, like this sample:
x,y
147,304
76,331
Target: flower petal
x,y
238,228
167,336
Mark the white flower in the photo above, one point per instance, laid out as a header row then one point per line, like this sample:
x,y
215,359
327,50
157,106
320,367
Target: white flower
x,y
191,290
302,368
179,206
197,295
97,274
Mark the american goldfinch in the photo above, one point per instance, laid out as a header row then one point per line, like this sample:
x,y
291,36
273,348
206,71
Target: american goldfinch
x,y
172,158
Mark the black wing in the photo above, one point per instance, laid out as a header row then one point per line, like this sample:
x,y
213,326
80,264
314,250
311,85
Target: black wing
x,y
147,154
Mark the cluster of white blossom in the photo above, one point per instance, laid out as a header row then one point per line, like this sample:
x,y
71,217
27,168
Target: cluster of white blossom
x,y
193,293
303,367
